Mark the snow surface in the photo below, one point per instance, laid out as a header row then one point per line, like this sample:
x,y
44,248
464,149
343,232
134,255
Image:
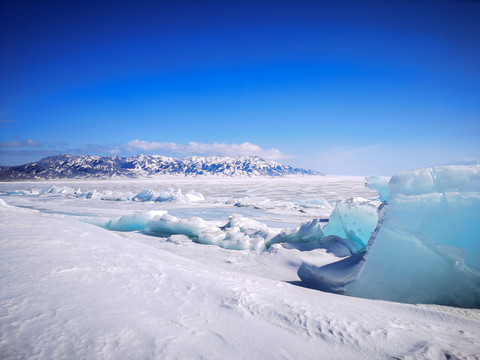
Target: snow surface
x,y
72,289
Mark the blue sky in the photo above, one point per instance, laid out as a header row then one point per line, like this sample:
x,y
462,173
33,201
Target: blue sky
x,y
343,87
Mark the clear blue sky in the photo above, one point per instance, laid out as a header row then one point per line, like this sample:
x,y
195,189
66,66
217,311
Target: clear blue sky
x,y
365,87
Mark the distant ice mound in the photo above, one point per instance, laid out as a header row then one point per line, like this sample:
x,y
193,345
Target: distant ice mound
x,y
239,233
143,196
169,195
3,204
269,204
314,203
426,247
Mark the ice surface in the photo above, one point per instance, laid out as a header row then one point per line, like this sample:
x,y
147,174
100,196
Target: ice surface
x,y
135,222
52,189
353,219
439,179
308,231
334,277
230,239
309,236
428,247
347,232
146,195
380,184
315,202
170,225
336,245
239,233
18,192
194,196
169,195
263,203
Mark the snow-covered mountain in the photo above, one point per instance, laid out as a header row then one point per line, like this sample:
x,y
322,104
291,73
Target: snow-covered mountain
x,y
84,166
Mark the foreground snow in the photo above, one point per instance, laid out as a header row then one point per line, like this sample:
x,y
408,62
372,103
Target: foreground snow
x,y
73,290
70,289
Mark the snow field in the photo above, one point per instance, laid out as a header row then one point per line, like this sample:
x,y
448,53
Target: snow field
x,y
74,290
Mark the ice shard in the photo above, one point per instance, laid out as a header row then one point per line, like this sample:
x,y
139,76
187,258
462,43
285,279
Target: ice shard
x,y
353,219
427,249
379,184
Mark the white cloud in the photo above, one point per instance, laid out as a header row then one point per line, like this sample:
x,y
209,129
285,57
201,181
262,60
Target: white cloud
x,y
21,143
150,146
114,151
94,149
242,149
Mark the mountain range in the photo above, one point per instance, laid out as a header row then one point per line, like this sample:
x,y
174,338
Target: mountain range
x,y
86,166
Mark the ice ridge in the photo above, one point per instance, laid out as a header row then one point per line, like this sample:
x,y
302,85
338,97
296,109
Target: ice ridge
x,y
425,248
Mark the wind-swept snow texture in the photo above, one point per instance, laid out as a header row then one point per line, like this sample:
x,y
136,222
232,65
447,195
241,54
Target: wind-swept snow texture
x,y
71,290
427,249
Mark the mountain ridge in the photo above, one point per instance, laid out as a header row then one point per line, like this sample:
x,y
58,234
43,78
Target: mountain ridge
x,y
92,166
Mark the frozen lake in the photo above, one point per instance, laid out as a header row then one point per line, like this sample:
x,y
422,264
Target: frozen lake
x,y
71,289
273,200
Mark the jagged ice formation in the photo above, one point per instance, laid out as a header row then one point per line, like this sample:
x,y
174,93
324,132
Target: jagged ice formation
x,y
426,247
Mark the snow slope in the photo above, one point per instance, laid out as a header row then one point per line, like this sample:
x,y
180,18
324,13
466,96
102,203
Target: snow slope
x,y
74,290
